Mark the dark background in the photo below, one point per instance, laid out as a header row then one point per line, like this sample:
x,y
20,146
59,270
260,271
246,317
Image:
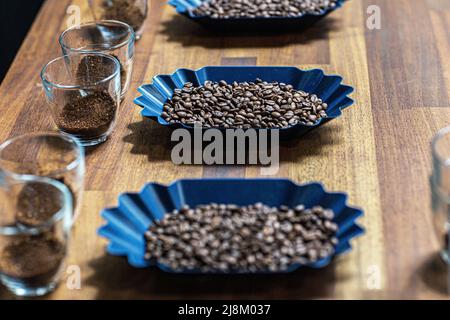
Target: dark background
x,y
16,17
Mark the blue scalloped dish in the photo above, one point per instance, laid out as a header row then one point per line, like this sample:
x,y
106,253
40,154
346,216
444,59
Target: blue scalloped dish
x,y
186,7
126,224
328,87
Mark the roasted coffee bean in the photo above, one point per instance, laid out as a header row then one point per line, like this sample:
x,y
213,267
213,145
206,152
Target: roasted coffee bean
x,y
226,237
243,105
225,9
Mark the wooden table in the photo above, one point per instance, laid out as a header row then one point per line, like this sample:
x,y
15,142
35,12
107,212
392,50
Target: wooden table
x,y
378,151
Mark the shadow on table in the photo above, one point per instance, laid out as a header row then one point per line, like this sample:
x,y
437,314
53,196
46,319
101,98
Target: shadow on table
x,y
153,140
150,139
314,143
115,279
435,274
189,33
93,149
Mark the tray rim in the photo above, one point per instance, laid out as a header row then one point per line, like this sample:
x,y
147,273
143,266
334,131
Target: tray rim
x,y
157,117
187,11
317,265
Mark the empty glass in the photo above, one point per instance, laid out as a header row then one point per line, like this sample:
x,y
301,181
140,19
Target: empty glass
x,y
107,36
132,12
35,220
440,189
83,92
46,154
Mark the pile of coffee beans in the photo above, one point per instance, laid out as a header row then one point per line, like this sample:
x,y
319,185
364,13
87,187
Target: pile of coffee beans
x,y
225,9
243,105
226,237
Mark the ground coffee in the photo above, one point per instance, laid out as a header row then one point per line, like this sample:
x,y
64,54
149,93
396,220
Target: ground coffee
x,y
37,203
89,116
92,69
125,11
32,260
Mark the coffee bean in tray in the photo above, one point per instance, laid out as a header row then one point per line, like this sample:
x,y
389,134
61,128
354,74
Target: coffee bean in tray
x,y
225,9
243,105
253,238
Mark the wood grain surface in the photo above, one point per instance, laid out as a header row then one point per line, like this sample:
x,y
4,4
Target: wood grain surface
x,y
378,151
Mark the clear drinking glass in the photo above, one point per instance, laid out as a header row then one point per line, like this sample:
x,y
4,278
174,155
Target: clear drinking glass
x,y
440,189
46,154
83,91
132,12
32,252
110,37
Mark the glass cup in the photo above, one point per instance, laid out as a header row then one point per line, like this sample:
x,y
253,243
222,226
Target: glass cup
x,y
46,154
110,37
33,251
440,189
83,92
132,12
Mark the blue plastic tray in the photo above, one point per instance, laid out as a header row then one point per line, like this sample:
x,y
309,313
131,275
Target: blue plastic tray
x,y
328,87
127,223
185,8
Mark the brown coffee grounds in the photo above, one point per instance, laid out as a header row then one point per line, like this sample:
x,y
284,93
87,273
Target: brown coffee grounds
x,y
124,10
37,203
35,259
26,204
89,116
92,69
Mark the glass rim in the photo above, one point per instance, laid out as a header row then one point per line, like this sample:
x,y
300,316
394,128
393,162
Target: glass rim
x,y
131,35
63,213
437,137
75,163
73,54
